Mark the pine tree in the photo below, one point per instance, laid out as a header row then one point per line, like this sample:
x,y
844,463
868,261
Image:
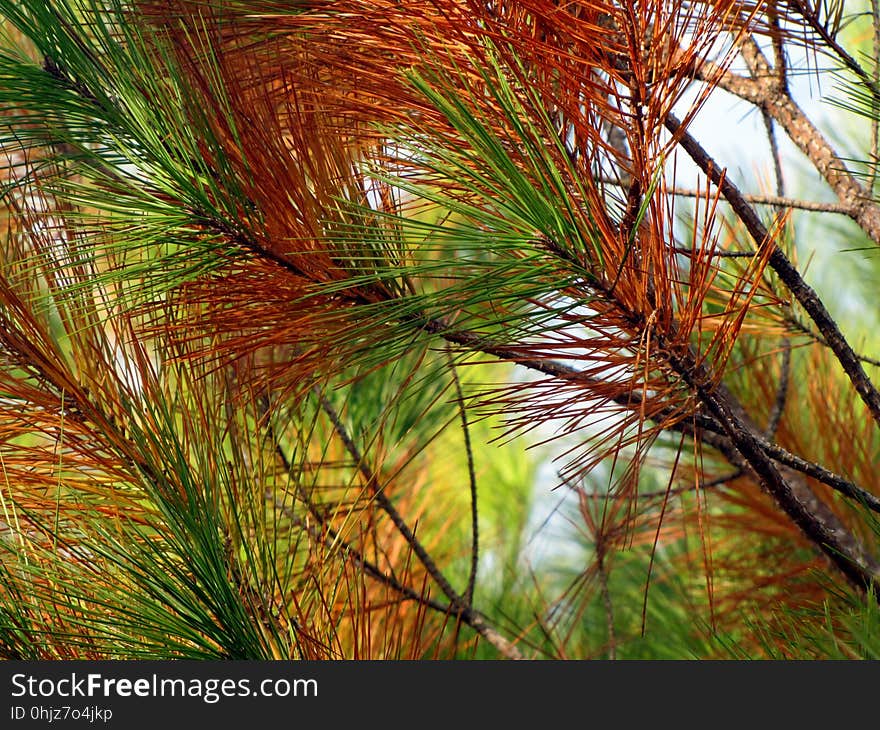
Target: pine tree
x,y
301,302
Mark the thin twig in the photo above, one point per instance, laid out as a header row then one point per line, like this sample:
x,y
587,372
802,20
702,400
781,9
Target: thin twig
x,y
720,254
332,538
821,474
780,62
710,433
472,480
774,154
777,201
789,275
831,43
781,391
695,487
816,337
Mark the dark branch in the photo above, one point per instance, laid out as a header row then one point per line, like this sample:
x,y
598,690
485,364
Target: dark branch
x,y
458,605
472,480
332,538
789,275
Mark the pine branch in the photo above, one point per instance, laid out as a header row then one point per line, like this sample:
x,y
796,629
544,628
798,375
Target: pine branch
x,y
796,500
777,201
829,42
695,487
796,324
764,92
459,605
761,457
472,481
356,275
802,292
699,425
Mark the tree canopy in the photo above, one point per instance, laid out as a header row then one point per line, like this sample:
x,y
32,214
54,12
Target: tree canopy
x,y
390,329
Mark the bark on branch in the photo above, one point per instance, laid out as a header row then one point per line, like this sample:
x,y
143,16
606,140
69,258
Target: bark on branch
x,y
764,91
